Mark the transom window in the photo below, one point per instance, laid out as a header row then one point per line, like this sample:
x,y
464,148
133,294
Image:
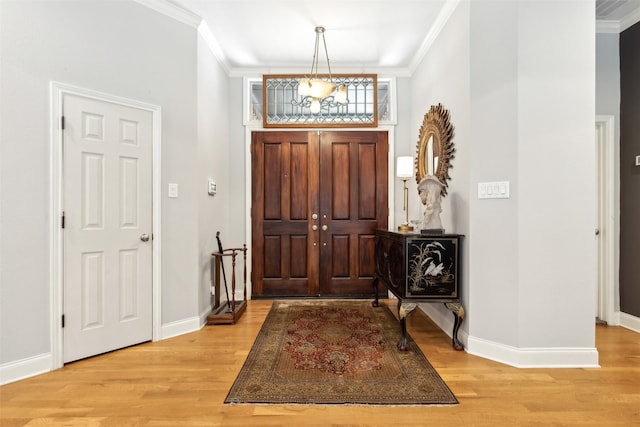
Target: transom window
x,y
285,109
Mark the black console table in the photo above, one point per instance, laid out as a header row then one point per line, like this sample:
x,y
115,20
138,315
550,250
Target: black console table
x,y
419,268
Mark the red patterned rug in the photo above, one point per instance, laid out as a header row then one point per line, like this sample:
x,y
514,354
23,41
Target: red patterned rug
x,y
335,352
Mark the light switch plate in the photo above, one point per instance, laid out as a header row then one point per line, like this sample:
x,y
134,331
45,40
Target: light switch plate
x,y
212,187
493,190
173,190
637,160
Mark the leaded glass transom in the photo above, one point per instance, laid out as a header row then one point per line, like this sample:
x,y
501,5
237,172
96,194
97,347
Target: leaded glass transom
x,y
283,107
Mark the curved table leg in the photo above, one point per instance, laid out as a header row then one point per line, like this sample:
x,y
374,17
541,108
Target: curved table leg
x,y
375,303
403,312
458,312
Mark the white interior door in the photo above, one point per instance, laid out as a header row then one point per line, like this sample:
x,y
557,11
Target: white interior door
x,y
107,199
606,279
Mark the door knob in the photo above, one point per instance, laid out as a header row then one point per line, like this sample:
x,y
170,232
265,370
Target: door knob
x,y
314,216
314,227
325,227
597,231
144,237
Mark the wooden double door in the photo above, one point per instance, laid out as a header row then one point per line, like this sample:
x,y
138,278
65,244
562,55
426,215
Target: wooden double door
x,y
317,199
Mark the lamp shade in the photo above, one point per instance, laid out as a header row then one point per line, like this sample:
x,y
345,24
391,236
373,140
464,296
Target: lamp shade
x,y
321,88
404,167
341,96
315,106
304,87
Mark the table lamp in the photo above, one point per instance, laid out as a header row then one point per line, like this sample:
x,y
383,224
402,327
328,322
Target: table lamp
x,y
404,170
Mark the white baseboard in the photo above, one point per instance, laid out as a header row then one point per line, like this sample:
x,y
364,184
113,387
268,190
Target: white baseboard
x,y
180,327
629,321
518,357
36,365
25,368
554,357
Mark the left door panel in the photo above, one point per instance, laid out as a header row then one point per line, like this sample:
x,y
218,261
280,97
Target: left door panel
x,y
107,199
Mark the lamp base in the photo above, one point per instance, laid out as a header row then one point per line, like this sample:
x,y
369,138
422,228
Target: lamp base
x,y
405,227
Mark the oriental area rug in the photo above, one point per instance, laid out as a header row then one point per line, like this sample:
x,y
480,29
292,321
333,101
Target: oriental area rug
x,y
335,352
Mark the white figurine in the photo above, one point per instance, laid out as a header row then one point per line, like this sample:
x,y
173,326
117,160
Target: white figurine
x,y
429,190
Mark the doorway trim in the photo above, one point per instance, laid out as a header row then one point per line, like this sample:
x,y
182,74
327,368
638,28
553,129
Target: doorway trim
x,y
606,209
247,167
56,253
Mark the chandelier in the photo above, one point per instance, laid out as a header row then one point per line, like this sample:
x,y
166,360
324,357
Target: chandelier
x,y
319,92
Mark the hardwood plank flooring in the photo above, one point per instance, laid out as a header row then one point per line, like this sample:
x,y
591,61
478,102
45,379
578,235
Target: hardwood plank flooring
x,y
183,381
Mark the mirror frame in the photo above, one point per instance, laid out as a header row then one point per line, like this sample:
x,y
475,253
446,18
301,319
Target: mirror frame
x,y
435,125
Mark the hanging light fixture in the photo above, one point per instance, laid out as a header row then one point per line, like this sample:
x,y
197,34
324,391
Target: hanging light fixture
x,y
319,93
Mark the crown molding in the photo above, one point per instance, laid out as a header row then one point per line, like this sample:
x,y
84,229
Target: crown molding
x,y
607,26
214,47
630,20
173,11
440,22
254,72
615,26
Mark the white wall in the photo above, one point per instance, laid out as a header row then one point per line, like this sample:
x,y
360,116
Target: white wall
x,y
443,77
213,162
518,78
237,152
556,173
494,157
405,137
120,48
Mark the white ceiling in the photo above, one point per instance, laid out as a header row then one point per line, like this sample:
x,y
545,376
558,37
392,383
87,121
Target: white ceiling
x,y
280,34
361,35
616,10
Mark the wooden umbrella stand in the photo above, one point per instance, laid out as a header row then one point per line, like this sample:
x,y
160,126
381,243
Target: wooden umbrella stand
x,y
230,312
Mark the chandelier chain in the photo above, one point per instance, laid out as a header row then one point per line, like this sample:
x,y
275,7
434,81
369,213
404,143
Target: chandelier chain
x,y
314,63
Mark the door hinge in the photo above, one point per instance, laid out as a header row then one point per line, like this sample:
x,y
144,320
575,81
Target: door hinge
x,y
63,320
62,122
62,220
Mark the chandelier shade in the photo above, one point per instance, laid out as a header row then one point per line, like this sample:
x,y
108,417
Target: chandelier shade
x,y
317,92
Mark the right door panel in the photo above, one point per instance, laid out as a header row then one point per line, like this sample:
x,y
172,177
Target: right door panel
x,y
353,203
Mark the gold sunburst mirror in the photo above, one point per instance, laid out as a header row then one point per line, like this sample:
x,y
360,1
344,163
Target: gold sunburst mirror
x,y
435,146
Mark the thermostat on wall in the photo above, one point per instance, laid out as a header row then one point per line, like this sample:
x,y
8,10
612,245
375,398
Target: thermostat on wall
x,y
212,187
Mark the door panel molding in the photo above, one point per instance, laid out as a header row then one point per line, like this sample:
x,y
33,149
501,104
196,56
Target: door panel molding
x,y
58,91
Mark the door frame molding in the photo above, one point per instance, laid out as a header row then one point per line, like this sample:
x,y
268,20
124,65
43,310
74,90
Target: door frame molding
x,y
56,254
247,179
606,213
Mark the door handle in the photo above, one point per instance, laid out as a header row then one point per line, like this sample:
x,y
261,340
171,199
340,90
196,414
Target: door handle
x,y
325,227
144,237
314,227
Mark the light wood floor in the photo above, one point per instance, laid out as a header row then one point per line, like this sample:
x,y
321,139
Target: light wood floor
x,y
183,381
